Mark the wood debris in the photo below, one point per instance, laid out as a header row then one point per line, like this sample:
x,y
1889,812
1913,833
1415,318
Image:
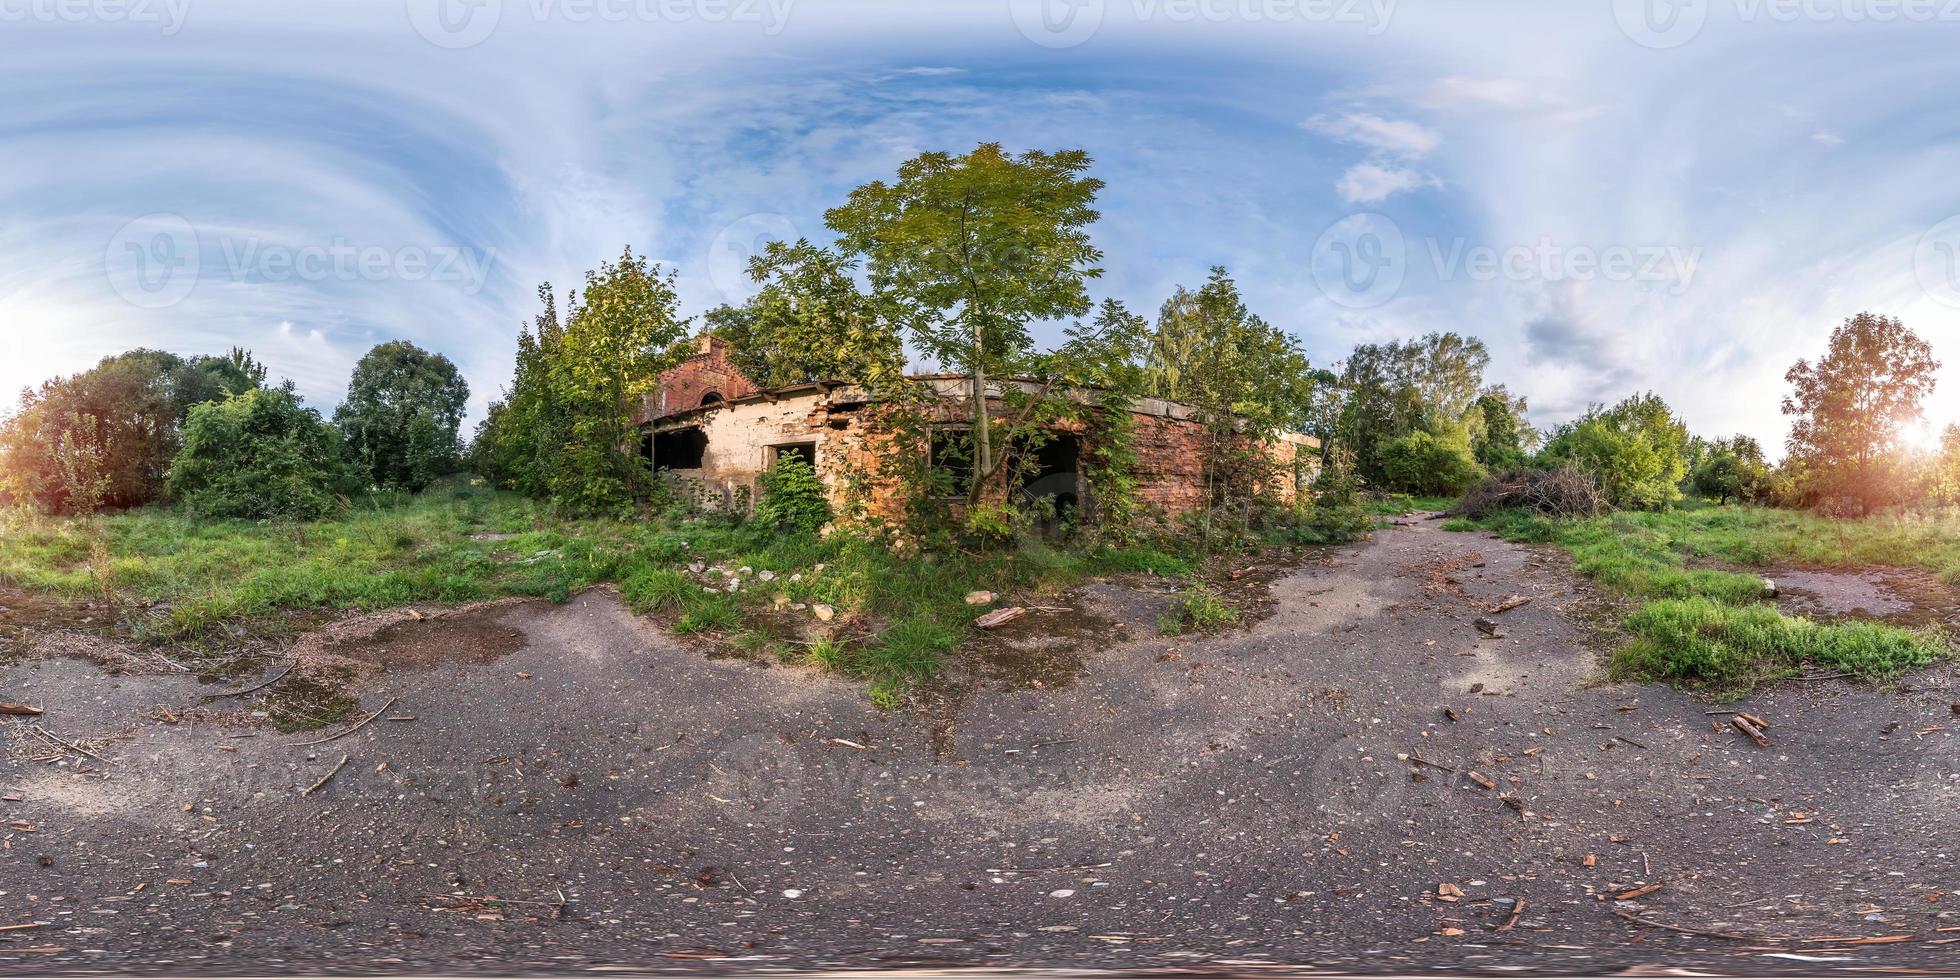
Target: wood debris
x,y
1744,725
1000,617
17,709
1509,604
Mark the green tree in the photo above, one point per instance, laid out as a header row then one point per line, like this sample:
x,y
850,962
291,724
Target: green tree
x,y
564,430
259,455
136,402
1501,438
1730,469
1852,405
1637,451
1425,464
1430,384
808,322
403,409
966,251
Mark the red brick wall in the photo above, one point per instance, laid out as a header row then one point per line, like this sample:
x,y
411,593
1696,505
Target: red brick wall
x,y
682,387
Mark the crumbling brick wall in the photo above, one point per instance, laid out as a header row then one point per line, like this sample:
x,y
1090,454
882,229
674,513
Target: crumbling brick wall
x,y
707,371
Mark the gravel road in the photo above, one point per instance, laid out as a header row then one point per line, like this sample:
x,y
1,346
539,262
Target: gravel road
x,y
589,793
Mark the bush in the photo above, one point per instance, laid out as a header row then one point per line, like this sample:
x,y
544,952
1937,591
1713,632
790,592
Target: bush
x,y
792,497
1701,641
1336,515
1567,491
259,455
1420,463
1635,451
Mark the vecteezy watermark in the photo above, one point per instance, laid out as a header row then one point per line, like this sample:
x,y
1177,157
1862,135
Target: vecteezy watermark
x,y
1672,23
738,242
1067,23
467,23
1936,262
168,15
156,260
1361,261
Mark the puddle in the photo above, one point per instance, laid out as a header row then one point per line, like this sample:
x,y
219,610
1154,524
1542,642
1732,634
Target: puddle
x,y
1043,648
1900,596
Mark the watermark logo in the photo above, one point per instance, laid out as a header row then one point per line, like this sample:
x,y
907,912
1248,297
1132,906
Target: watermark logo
x,y
153,261
455,24
1057,23
1660,24
1936,262
1360,260
738,242
167,15
156,261
459,24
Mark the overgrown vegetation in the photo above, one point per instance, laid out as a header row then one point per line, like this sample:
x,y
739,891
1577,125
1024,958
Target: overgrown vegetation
x,y
1702,622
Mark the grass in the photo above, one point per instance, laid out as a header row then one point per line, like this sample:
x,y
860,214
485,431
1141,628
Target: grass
x,y
187,581
1701,623
1200,608
1394,504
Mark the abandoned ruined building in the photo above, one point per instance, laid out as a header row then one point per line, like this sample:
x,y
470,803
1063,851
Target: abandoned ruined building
x,y
714,433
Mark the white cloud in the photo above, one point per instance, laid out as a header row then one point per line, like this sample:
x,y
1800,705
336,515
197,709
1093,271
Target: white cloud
x,y
1827,138
1392,137
1370,183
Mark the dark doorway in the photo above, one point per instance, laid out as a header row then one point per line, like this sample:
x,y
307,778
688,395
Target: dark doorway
x,y
1050,475
679,449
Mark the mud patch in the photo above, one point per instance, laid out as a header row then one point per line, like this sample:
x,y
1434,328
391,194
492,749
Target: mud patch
x,y
1043,648
474,636
1899,596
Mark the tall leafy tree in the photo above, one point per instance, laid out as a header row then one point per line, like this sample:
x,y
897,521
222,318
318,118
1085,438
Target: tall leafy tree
x,y
809,322
967,251
130,409
1429,384
564,431
403,408
1852,405
1500,436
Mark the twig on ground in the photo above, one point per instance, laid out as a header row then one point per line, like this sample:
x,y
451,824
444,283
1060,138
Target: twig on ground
x,y
72,747
262,685
323,779
357,725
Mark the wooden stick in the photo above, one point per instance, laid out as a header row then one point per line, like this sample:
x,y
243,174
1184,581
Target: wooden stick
x,y
1517,912
1419,760
17,709
1755,734
256,687
323,779
357,726
24,925
1651,924
67,745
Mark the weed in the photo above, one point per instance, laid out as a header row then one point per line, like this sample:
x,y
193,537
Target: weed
x,y
1199,608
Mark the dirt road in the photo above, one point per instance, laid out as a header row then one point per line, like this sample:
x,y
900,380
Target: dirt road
x,y
1253,797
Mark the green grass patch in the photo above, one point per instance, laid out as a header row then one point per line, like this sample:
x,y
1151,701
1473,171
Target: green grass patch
x,y
1730,648
1390,505
1199,609
1704,625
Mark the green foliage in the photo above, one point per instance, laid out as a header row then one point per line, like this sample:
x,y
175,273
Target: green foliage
x,y
131,407
259,455
992,525
792,497
1422,463
1336,515
1431,384
1852,406
1501,438
1637,451
965,252
809,322
564,432
1700,641
1730,469
1200,608
403,408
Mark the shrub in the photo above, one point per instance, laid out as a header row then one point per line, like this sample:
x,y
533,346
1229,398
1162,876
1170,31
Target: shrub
x,y
1336,515
994,525
1421,463
792,497
1636,451
259,455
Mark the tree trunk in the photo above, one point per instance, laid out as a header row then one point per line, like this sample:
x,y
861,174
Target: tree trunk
x,y
983,459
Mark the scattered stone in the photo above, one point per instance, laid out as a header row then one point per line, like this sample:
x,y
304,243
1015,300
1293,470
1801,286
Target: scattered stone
x,y
766,576
979,598
823,612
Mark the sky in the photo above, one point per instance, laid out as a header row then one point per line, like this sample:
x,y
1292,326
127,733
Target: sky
x,y
1681,196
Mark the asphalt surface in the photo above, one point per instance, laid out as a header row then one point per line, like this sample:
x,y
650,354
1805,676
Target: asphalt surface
x,y
603,797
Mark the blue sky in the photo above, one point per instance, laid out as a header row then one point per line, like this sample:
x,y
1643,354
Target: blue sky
x,y
1685,196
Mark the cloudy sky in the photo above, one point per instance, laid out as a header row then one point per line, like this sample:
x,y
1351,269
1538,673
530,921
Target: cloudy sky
x,y
1617,195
